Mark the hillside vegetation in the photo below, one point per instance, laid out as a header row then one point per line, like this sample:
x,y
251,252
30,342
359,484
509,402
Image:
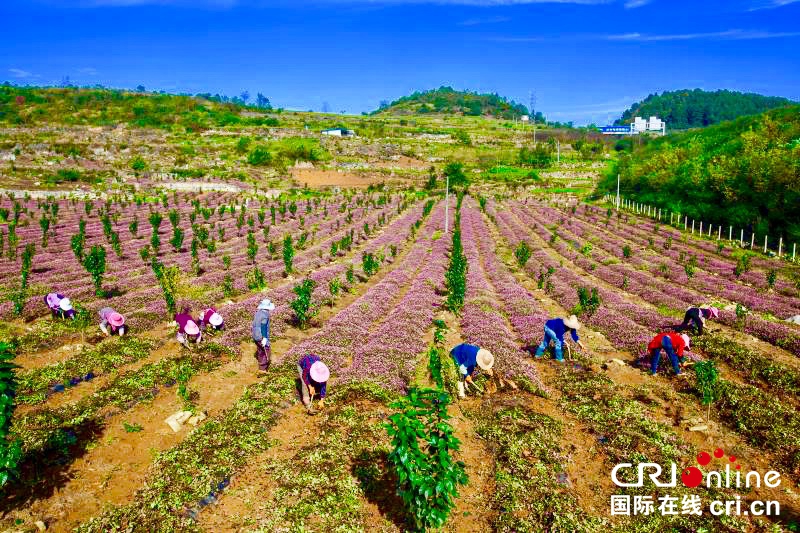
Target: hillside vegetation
x,y
30,106
745,173
447,100
696,108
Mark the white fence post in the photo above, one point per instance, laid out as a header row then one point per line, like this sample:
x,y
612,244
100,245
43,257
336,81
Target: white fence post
x,y
741,238
685,222
794,250
765,243
701,228
752,240
780,246
719,233
730,233
670,217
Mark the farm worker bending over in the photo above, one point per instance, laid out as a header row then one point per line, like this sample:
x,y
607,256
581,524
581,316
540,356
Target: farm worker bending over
x,y
112,322
211,318
672,343
261,334
188,331
467,357
554,330
59,305
697,317
314,376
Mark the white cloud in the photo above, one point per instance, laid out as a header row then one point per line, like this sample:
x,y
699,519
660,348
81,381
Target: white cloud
x,y
633,4
772,4
19,73
729,35
490,20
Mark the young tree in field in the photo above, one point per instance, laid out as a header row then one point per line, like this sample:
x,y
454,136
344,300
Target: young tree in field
x,y
252,247
44,224
455,171
302,306
288,254
177,238
431,183
95,264
78,241
13,241
19,296
133,227
169,280
522,253
174,217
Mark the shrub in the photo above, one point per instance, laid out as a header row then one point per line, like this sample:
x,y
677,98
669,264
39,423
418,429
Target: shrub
x,y
626,251
302,304
44,224
259,156
138,164
256,280
370,264
422,446
10,448
456,275
133,226
522,253
95,264
588,301
334,287
690,266
707,377
227,286
772,277
544,277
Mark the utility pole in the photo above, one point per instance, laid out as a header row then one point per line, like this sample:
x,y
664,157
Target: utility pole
x,y
617,192
533,115
446,200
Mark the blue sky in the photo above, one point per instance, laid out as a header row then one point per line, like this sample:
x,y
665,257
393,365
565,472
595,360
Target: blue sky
x,y
586,60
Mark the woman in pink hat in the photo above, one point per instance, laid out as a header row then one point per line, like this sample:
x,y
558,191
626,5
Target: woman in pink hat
x,y
209,317
697,316
112,323
188,330
314,376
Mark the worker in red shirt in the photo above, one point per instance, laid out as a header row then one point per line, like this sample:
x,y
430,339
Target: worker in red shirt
x,y
672,343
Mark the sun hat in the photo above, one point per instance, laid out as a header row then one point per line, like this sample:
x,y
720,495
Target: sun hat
x,y
191,328
65,304
116,319
685,338
714,312
52,299
215,320
485,359
319,372
572,322
267,304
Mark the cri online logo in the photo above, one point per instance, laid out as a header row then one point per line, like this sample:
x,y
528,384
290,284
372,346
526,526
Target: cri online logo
x,y
693,477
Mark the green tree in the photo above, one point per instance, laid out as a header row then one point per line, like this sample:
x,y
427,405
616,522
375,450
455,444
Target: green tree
x,y
288,254
455,172
302,305
95,264
10,447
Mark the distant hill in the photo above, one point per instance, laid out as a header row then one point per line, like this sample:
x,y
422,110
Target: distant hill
x,y
447,100
696,108
743,173
30,106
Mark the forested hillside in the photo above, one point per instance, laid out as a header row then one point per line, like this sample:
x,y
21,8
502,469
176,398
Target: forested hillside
x,y
449,101
697,108
71,105
745,172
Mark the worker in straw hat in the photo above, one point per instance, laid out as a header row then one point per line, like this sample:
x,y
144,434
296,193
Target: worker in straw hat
x,y
111,322
468,358
672,343
188,330
260,334
697,316
314,376
554,331
211,318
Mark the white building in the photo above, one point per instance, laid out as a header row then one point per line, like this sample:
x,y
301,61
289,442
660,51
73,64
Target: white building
x,y
654,124
339,132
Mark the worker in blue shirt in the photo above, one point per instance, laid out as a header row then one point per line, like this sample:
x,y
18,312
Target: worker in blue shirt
x,y
467,357
554,330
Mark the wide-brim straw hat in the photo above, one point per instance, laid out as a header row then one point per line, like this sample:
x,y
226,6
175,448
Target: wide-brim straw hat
x,y
686,339
191,328
485,359
319,372
215,320
52,299
572,322
714,312
267,304
116,319
65,304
